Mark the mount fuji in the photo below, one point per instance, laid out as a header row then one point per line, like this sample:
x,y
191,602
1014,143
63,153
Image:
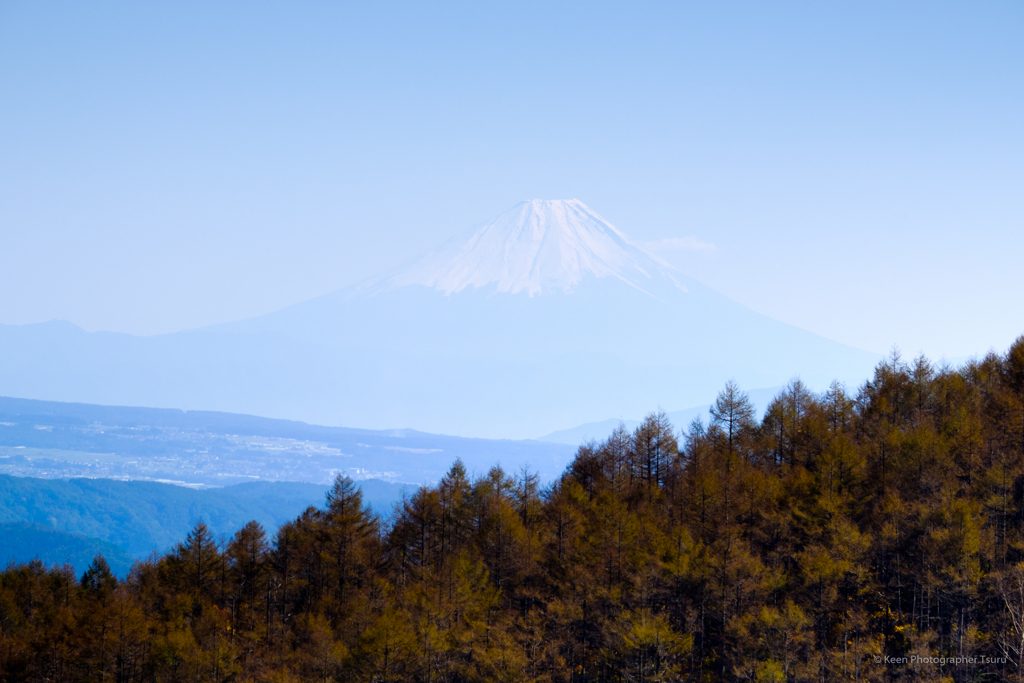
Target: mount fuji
x,y
538,247
543,318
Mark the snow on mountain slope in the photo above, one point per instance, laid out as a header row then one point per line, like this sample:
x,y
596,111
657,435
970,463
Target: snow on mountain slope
x,y
537,247
545,317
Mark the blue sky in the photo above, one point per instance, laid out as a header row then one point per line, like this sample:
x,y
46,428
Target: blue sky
x,y
857,167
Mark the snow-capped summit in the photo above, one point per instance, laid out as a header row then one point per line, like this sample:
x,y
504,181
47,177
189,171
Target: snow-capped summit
x,y
545,317
537,247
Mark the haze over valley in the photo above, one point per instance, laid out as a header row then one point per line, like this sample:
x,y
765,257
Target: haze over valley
x,y
519,328
511,342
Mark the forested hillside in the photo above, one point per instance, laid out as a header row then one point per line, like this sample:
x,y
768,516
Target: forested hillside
x,y
841,530
141,517
25,541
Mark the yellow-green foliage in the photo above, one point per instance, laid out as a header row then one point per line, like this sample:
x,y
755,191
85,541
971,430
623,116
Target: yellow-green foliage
x,y
837,532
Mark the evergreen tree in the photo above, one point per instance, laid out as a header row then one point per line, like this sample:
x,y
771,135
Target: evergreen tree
x,y
808,547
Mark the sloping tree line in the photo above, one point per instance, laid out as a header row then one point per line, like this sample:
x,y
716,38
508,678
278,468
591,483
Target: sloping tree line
x,y
811,545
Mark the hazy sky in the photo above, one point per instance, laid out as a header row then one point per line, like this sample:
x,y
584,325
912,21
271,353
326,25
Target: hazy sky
x,y
857,167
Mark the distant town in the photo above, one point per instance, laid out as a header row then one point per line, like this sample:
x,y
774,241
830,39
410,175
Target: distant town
x,y
51,440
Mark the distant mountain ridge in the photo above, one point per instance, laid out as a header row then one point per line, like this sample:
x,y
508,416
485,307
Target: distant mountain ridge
x,y
62,440
547,316
68,520
22,542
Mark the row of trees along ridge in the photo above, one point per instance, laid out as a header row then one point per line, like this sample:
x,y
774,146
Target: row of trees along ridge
x,y
811,545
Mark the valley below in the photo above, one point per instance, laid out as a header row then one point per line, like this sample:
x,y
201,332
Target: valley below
x,y
54,440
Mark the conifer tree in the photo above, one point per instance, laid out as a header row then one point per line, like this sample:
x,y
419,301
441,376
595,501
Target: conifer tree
x,y
733,412
808,547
